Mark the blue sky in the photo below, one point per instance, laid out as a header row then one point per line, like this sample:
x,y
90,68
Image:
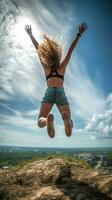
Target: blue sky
x,y
88,83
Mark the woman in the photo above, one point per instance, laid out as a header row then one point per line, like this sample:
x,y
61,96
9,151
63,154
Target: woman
x,y
50,52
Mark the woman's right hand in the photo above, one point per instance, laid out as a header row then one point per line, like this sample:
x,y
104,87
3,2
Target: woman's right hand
x,y
28,29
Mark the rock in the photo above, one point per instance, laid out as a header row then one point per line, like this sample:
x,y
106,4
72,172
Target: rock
x,y
55,179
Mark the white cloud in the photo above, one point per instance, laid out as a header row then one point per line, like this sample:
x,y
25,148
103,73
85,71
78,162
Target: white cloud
x,y
19,129
21,73
4,96
31,113
7,107
28,113
92,137
23,138
85,98
100,125
19,119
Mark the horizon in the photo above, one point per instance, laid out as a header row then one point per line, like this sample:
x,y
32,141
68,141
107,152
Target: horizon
x,y
57,147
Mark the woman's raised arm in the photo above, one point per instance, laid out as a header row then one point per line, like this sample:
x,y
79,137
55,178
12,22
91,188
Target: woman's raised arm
x,y
29,31
82,28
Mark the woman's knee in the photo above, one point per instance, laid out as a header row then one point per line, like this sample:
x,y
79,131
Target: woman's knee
x,y
41,122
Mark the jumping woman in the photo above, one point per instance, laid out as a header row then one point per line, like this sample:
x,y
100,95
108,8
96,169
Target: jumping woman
x,y
50,52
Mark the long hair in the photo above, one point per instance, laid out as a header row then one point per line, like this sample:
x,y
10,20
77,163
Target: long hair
x,y
50,52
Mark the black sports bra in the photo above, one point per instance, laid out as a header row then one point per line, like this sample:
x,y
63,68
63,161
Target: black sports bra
x,y
54,73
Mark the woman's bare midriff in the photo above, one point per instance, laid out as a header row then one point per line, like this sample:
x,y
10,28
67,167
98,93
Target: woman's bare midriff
x,y
55,82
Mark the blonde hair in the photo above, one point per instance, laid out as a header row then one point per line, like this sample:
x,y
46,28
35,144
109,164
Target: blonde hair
x,y
50,52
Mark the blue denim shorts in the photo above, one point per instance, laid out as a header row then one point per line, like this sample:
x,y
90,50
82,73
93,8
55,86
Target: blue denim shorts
x,y
55,95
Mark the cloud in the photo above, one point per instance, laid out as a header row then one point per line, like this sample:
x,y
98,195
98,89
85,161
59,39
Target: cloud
x,y
22,138
21,72
19,121
7,107
100,125
17,64
25,120
18,129
84,95
31,113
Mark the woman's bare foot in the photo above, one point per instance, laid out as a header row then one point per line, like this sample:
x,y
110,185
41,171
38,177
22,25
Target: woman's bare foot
x,y
68,124
50,125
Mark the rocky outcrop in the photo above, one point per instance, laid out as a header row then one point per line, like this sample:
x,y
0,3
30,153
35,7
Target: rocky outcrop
x,y
55,179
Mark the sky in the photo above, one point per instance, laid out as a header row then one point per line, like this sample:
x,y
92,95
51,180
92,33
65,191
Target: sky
x,y
88,78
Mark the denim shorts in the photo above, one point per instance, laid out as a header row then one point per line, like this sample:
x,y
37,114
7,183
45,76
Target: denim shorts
x,y
55,95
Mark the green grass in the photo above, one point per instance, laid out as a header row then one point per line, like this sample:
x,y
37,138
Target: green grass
x,y
68,159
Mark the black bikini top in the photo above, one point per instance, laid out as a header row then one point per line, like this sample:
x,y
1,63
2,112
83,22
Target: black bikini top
x,y
54,73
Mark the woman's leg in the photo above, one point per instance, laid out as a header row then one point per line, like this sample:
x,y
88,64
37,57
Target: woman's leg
x,y
46,119
44,111
66,116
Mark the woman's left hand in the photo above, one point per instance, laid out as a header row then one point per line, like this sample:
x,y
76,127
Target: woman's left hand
x,y
82,27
